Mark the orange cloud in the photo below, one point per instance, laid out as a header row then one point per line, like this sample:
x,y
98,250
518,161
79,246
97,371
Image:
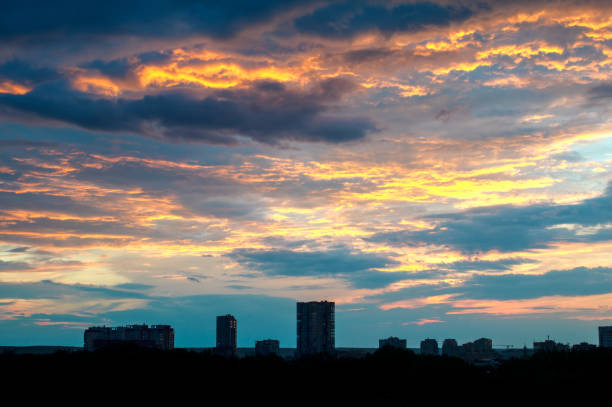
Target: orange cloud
x,y
524,50
415,303
423,321
215,71
511,80
542,305
96,84
13,88
601,303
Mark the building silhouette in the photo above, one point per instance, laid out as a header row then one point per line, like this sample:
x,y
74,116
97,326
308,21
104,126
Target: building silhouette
x,y
393,342
583,346
227,334
429,347
550,346
483,345
315,328
267,347
451,348
479,349
154,337
605,336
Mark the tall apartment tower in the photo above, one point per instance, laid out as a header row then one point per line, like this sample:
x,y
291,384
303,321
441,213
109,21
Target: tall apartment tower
x,y
315,327
605,336
227,328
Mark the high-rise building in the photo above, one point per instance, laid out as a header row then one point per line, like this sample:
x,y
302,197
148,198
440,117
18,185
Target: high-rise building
x,y
155,336
315,327
429,347
393,342
483,345
227,335
267,347
605,336
450,348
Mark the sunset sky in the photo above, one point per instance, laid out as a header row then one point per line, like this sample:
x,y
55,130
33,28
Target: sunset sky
x,y
437,168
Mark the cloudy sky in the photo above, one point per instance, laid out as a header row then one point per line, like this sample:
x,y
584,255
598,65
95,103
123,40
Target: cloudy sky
x,y
437,168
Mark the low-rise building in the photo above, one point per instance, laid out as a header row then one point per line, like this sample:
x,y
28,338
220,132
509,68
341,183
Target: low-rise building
x,y
583,346
550,346
392,342
267,347
155,336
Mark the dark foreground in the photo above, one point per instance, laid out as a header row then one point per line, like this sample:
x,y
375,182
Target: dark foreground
x,y
133,374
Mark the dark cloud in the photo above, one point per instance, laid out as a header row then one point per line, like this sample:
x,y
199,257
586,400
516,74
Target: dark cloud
x,y
292,263
125,174
580,281
601,92
372,279
355,267
306,287
124,68
510,228
44,21
46,203
229,209
239,287
42,225
367,55
444,115
72,242
134,286
486,265
13,265
268,112
346,19
117,68
575,282
21,249
153,57
288,244
52,290
24,73
193,277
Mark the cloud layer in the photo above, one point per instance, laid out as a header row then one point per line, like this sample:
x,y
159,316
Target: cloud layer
x,y
437,168
269,113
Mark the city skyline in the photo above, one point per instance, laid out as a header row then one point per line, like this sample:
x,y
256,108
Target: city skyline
x,y
315,336
436,168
